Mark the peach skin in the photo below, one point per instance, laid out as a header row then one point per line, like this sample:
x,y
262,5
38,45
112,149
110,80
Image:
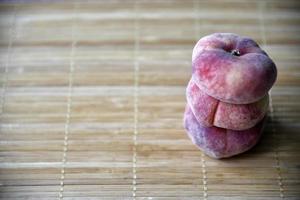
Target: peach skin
x,y
212,112
232,68
218,142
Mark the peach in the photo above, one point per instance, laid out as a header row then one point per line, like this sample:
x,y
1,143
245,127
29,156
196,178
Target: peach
x,y
232,68
212,112
218,142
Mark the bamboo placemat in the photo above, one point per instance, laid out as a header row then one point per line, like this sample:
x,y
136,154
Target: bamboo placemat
x,y
92,100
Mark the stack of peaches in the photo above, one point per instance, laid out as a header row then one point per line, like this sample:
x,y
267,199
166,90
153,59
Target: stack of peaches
x,y
227,95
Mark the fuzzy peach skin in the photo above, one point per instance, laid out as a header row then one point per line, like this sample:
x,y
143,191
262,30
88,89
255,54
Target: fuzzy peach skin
x,y
212,112
218,142
232,68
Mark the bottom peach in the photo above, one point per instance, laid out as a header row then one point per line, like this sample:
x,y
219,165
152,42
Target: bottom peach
x,y
218,142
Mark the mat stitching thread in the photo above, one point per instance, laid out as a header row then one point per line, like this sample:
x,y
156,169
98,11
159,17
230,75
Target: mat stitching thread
x,y
261,6
203,162
136,99
12,37
69,105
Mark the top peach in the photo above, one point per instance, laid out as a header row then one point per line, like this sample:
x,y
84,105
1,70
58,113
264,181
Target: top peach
x,y
232,68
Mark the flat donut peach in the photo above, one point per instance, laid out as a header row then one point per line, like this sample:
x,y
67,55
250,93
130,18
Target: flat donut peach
x,y
218,142
232,68
212,112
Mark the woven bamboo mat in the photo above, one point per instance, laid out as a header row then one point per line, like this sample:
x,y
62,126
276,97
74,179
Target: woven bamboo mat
x,y
92,98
